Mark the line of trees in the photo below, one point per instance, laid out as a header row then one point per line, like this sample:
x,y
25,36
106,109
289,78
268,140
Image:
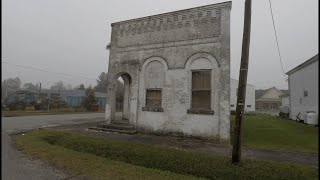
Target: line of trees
x,y
12,85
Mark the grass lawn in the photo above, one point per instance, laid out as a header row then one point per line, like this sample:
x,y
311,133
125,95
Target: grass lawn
x,y
270,132
109,159
44,112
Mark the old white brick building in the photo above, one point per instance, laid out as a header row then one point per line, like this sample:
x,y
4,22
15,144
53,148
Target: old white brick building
x,y
176,71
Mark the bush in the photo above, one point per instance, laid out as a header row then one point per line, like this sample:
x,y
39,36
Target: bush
x,y
89,99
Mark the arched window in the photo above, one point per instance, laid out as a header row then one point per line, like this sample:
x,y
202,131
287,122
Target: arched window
x,y
153,70
201,84
204,82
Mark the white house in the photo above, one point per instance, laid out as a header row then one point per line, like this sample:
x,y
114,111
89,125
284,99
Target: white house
x,y
250,97
304,88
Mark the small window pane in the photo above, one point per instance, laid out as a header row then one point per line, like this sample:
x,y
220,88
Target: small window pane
x,y
153,98
157,103
150,94
201,99
157,94
196,80
205,80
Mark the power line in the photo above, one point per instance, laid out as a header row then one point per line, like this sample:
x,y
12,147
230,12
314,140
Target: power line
x,y
275,32
53,44
63,74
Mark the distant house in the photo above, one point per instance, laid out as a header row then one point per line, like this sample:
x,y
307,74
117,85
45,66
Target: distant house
x,y
304,88
74,98
250,97
269,99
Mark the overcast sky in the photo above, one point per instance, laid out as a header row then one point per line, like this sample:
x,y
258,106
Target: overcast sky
x,y
70,36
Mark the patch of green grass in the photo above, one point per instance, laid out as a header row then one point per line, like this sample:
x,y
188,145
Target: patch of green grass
x,y
270,132
52,144
86,164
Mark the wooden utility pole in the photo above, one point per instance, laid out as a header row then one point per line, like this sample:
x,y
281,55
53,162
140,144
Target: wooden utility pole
x,y
236,151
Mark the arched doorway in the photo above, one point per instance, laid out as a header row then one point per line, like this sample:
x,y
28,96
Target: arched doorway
x,y
121,96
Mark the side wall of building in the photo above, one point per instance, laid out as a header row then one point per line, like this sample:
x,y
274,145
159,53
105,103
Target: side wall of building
x,y
250,105
285,101
305,79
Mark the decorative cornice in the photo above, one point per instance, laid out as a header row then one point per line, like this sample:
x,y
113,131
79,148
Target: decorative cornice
x,y
199,25
202,8
170,22
169,44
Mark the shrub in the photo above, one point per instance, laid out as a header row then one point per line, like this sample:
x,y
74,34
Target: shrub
x,y
89,99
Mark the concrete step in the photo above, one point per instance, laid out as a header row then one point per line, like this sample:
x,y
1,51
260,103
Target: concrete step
x,y
114,130
123,121
117,126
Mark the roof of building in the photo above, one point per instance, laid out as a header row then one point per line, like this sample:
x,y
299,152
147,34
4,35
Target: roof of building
x,y
285,92
306,63
261,92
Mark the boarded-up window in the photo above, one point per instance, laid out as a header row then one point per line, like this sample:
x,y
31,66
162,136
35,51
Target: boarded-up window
x,y
201,90
153,98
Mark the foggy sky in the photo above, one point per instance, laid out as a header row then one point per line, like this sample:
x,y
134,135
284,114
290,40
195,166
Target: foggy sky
x,y
70,36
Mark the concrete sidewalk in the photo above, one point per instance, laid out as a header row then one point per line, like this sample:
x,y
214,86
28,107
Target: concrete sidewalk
x,y
197,145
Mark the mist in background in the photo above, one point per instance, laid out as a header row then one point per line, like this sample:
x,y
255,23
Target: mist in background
x,y
69,38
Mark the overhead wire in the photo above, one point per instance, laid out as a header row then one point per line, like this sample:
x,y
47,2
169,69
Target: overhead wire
x,y
277,41
63,74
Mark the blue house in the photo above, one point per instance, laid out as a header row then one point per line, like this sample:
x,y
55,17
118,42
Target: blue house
x,y
74,98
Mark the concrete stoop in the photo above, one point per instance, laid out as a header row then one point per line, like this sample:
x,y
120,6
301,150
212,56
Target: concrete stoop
x,y
122,127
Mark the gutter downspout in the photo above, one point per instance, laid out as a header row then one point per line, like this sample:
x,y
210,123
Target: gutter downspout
x,y
290,110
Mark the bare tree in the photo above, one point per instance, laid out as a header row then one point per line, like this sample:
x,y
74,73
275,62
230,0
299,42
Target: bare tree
x,y
58,86
30,87
10,85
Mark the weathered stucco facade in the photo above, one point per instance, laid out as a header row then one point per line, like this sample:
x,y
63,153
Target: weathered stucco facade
x,y
160,52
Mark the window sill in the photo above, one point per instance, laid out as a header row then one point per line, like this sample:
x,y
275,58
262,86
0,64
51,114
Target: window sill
x,y
200,111
153,109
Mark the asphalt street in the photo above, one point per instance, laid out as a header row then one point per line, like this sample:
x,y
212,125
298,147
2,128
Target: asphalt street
x,y
15,165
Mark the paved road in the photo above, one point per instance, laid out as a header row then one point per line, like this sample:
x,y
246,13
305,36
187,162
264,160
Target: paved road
x,y
15,165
